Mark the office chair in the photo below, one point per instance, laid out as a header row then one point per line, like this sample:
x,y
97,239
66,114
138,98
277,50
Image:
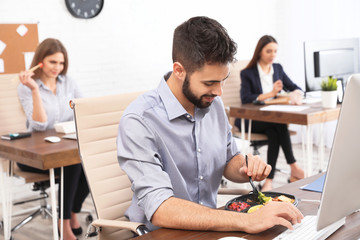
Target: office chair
x,y
97,121
13,120
40,183
231,96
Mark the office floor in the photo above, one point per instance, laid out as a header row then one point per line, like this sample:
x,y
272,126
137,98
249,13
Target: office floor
x,y
41,229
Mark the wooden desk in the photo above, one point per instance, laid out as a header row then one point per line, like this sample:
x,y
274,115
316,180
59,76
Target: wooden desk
x,y
35,152
313,115
351,229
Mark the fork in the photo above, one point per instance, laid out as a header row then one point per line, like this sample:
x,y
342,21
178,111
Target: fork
x,y
255,191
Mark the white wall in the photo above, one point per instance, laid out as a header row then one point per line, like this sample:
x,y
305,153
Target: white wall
x,y
128,46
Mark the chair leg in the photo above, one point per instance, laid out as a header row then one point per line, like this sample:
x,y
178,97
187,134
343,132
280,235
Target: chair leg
x,y
31,200
256,151
26,220
43,210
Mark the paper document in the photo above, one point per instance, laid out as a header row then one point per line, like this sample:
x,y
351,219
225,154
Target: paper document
x,y
70,136
311,100
284,108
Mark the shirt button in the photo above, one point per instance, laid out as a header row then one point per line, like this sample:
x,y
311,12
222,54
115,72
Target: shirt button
x,y
201,177
199,150
201,203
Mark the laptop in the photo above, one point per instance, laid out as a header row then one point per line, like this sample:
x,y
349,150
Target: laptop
x,y
341,193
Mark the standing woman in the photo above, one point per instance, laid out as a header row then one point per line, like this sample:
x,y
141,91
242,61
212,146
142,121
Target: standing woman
x,y
44,95
262,80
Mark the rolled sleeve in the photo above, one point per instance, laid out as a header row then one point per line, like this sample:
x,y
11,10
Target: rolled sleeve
x,y
150,197
37,126
138,156
232,149
25,97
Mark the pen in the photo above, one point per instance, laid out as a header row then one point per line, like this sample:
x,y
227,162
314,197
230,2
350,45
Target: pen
x,y
16,79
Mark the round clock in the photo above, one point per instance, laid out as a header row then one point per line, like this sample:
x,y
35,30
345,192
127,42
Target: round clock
x,y
84,8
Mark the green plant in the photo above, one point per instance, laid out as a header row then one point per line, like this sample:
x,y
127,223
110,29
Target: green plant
x,y
329,84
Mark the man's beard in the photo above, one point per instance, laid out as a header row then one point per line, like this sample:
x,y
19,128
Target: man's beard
x,y
191,96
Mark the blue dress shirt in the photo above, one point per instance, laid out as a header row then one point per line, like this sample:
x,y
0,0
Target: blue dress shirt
x,y
167,152
56,105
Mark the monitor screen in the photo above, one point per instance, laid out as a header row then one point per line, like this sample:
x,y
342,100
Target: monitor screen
x,y
341,191
336,58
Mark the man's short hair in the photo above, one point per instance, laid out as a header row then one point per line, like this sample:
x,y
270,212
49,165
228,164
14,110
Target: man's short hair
x,y
202,40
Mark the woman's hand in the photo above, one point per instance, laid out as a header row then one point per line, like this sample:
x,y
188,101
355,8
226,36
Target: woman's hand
x,y
25,78
278,86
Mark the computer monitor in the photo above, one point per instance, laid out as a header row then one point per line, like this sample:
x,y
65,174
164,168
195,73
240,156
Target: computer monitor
x,y
341,192
336,58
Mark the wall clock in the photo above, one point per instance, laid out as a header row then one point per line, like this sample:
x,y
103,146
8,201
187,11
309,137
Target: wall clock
x,y
84,8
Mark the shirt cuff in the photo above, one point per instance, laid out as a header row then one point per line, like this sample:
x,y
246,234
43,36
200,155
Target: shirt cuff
x,y
151,206
37,126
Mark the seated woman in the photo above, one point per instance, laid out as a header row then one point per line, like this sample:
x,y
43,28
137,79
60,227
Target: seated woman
x,y
44,95
262,80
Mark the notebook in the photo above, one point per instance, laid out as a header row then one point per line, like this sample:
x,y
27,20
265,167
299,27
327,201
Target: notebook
x,y
315,186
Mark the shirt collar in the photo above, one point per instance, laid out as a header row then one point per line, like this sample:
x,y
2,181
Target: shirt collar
x,y
60,79
173,107
261,72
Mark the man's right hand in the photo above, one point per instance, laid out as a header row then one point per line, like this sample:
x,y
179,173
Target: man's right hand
x,y
272,214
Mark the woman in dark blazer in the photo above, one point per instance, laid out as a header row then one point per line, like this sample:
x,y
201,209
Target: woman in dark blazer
x,y
262,80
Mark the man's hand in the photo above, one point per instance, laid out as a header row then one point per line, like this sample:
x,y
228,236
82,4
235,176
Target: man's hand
x,y
193,216
257,168
272,214
237,171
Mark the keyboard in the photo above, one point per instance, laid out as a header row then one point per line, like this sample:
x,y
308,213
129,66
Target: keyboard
x,y
307,230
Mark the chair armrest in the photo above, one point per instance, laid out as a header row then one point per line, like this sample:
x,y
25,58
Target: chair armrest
x,y
132,226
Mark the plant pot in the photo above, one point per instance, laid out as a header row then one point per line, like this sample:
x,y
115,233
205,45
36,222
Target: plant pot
x,y
329,99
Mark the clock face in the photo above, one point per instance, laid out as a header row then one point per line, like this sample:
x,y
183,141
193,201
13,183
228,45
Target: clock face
x,y
84,8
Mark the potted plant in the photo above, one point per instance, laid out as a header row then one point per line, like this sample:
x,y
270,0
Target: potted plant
x,y
329,92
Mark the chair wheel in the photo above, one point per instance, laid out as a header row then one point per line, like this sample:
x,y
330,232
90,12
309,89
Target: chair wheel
x,y
89,219
223,182
89,235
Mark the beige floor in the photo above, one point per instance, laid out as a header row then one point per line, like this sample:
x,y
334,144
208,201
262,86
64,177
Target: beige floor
x,y
41,229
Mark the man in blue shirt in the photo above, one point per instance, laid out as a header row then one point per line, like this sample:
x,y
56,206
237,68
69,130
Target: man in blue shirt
x,y
175,142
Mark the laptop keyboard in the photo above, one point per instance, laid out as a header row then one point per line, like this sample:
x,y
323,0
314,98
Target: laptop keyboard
x,y
307,230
